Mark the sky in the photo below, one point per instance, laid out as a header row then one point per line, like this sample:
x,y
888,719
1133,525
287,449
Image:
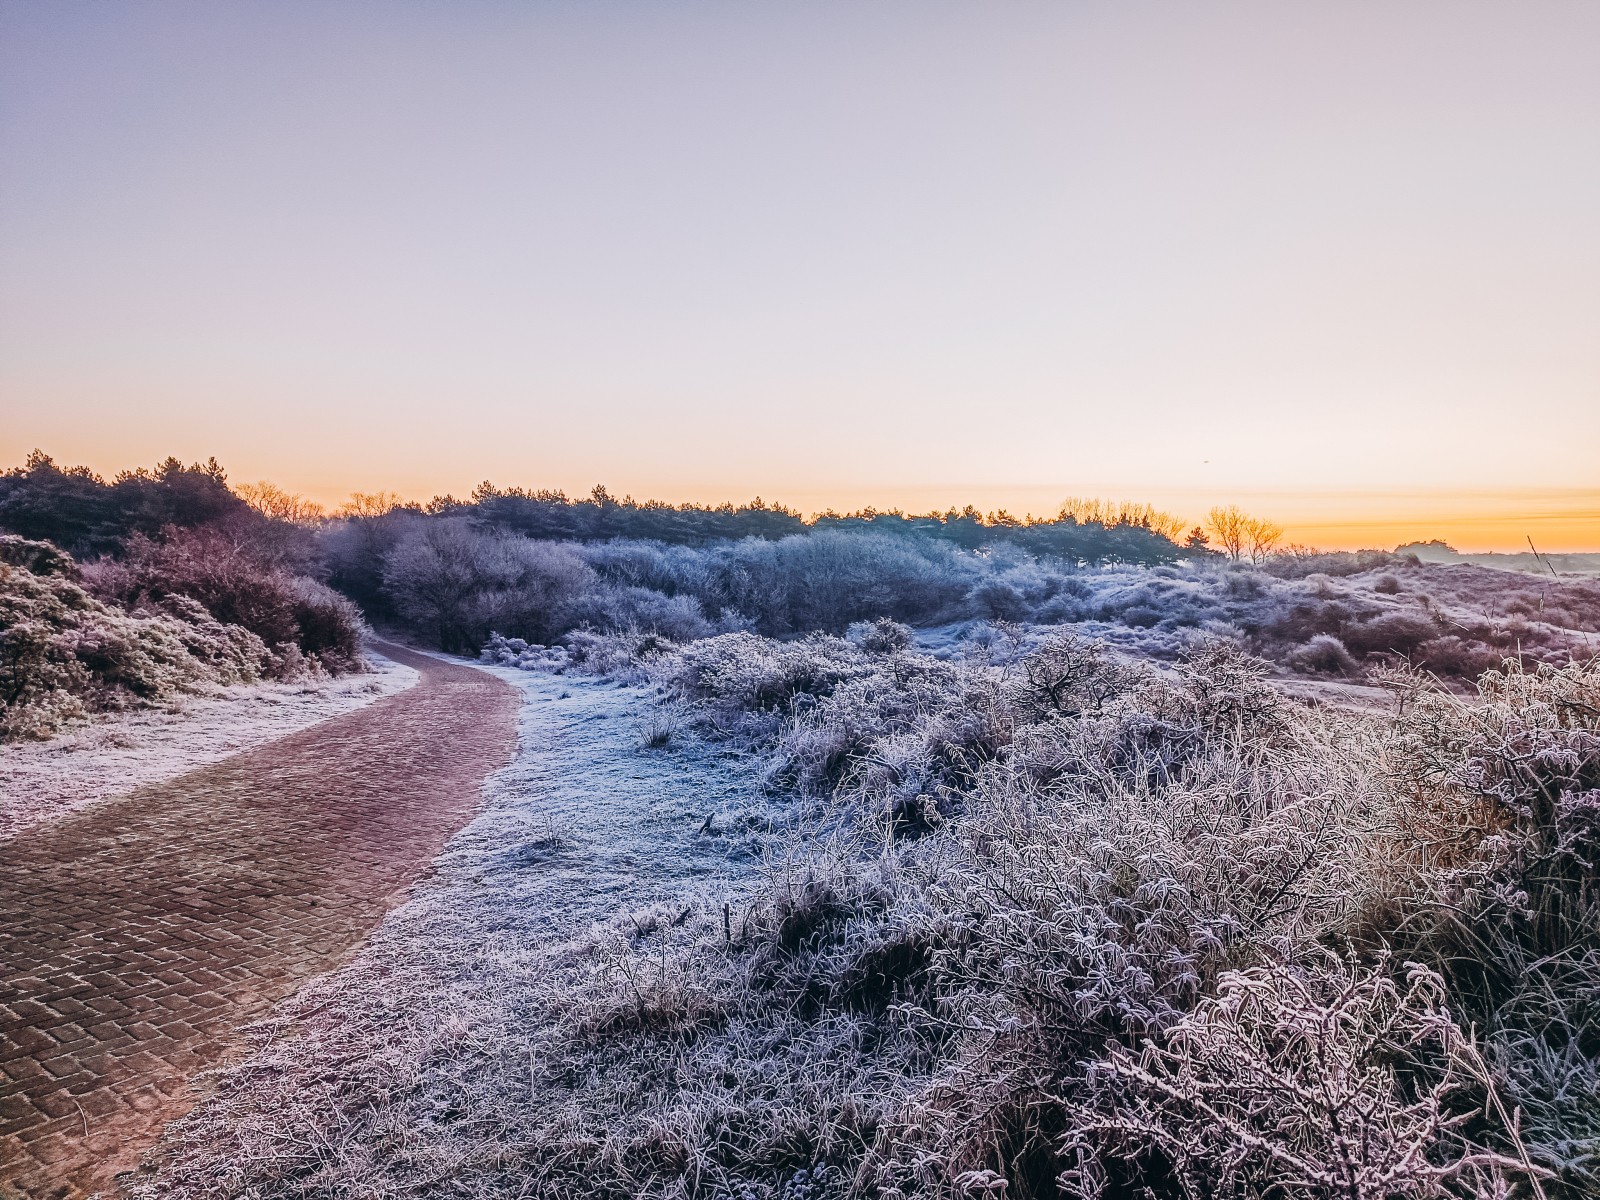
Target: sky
x,y
1338,263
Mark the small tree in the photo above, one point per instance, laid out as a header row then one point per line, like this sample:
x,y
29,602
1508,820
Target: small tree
x,y
1263,535
1239,535
370,504
1227,529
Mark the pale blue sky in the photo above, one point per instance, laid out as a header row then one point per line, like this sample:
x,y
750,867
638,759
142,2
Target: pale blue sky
x,y
829,252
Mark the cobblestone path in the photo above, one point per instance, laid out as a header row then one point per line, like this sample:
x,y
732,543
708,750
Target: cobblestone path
x,y
137,934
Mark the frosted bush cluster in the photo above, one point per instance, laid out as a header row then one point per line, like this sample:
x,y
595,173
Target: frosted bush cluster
x,y
1334,615
514,652
1035,917
64,653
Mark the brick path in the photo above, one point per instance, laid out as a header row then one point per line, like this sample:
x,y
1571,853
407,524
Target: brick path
x,y
135,935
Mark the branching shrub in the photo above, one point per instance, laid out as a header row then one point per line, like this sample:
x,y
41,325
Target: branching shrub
x,y
1511,918
458,584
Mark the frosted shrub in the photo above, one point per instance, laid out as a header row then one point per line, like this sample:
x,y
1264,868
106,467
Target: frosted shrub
x,y
901,742
627,655
1507,790
514,652
65,654
458,584
1323,1080
678,618
1324,654
307,627
739,673
1068,675
881,636
1400,633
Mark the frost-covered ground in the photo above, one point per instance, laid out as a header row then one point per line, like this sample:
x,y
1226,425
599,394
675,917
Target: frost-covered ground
x,y
416,1063
120,752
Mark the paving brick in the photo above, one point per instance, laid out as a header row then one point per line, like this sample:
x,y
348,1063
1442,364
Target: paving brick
x,y
137,934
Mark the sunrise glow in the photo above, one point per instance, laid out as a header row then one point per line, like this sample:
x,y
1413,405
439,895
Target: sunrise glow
x,y
1305,259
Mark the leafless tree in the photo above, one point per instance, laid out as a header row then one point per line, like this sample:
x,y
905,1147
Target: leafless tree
x,y
270,500
1239,535
370,504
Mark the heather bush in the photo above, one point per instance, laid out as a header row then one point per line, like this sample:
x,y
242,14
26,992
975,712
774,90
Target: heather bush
x,y
306,625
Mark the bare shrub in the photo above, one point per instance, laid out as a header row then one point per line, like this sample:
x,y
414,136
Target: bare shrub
x,y
460,584
1069,675
1321,1080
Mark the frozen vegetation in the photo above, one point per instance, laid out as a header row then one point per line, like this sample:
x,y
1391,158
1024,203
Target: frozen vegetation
x,y
1034,919
435,1062
898,856
1333,616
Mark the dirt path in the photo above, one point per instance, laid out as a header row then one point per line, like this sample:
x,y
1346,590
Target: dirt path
x,y
135,936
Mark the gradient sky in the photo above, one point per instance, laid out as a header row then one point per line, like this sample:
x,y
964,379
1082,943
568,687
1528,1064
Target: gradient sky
x,y
1337,262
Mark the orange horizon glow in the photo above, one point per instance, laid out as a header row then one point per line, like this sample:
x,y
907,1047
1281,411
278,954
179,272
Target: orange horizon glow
x,y
1565,523
1472,521
1558,521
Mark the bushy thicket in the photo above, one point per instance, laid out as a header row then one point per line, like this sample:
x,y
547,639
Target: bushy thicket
x,y
1081,533
65,653
1065,924
778,574
184,584
1352,614
303,622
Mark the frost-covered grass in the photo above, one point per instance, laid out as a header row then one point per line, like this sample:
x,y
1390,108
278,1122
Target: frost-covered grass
x,y
1038,918
41,780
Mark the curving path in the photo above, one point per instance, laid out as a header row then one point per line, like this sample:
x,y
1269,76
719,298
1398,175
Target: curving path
x,y
135,935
